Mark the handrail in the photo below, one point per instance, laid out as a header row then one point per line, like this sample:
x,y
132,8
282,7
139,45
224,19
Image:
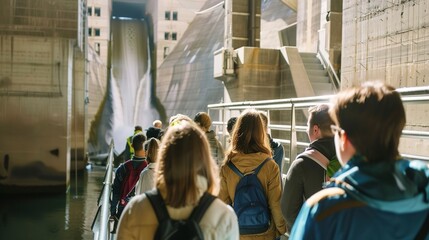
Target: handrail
x,y
415,95
103,212
412,94
326,63
331,72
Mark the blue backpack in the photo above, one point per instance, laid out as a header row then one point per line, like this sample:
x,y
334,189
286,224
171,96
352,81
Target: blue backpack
x,y
250,202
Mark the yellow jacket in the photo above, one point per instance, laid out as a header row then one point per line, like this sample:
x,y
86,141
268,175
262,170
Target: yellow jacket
x,y
269,176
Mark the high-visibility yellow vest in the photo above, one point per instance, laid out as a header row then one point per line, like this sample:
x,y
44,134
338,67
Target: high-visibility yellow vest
x,y
130,143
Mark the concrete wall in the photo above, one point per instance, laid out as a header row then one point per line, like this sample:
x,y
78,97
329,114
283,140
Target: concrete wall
x,y
308,25
35,112
40,44
388,41
258,75
241,23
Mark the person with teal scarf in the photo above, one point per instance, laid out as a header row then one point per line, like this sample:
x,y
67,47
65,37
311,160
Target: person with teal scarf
x,y
376,194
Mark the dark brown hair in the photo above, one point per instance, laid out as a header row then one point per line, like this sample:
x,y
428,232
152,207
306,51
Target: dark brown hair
x,y
249,135
373,117
319,115
203,120
138,140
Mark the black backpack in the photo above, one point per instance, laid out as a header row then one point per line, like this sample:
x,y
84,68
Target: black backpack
x,y
250,202
178,229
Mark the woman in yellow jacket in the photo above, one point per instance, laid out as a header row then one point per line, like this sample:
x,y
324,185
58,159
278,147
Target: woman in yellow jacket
x,y
249,148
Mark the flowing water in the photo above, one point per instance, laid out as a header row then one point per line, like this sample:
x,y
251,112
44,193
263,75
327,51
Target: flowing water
x,y
61,216
129,98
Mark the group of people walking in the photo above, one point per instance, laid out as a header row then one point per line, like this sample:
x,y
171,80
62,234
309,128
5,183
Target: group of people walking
x,y
350,183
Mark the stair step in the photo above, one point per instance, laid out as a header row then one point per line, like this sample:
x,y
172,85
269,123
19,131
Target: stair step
x,y
319,79
316,72
313,66
308,54
322,87
310,60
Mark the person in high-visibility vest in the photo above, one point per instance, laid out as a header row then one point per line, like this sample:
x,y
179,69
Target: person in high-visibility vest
x,y
129,150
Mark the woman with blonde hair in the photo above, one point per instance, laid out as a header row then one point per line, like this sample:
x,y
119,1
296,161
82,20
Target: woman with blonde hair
x,y
185,172
249,151
146,181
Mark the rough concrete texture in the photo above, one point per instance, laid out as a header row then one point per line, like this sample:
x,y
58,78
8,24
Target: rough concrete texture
x,y
389,41
185,82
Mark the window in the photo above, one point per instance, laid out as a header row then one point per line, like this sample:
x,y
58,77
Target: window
x,y
166,51
90,32
89,11
174,36
97,32
167,15
166,35
97,11
97,48
174,16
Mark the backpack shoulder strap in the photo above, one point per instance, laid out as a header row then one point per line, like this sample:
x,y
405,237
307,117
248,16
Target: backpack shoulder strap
x,y
235,169
316,156
199,211
158,204
142,166
128,166
136,171
256,170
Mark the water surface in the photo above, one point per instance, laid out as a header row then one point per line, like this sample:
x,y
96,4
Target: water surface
x,y
59,216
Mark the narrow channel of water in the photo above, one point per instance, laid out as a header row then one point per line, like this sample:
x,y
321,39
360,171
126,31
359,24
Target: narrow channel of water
x,y
61,216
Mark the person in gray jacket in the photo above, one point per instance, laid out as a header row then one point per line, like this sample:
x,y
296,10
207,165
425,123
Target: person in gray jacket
x,y
306,176
203,120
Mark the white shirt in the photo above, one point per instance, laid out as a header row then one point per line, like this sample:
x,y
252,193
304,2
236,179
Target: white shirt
x,y
146,181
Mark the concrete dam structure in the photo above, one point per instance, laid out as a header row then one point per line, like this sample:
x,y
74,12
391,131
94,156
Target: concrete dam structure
x,y
75,75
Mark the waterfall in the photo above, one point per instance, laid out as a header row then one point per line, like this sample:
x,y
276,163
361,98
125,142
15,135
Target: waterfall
x,y
128,100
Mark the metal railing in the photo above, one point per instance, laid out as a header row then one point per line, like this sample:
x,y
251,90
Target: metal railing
x,y
224,111
100,225
324,57
330,69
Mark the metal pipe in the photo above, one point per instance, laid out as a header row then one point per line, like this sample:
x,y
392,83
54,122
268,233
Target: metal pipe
x,y
228,25
251,35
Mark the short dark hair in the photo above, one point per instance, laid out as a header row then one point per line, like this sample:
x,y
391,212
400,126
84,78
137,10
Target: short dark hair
x,y
373,118
138,140
231,123
138,128
319,115
152,132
